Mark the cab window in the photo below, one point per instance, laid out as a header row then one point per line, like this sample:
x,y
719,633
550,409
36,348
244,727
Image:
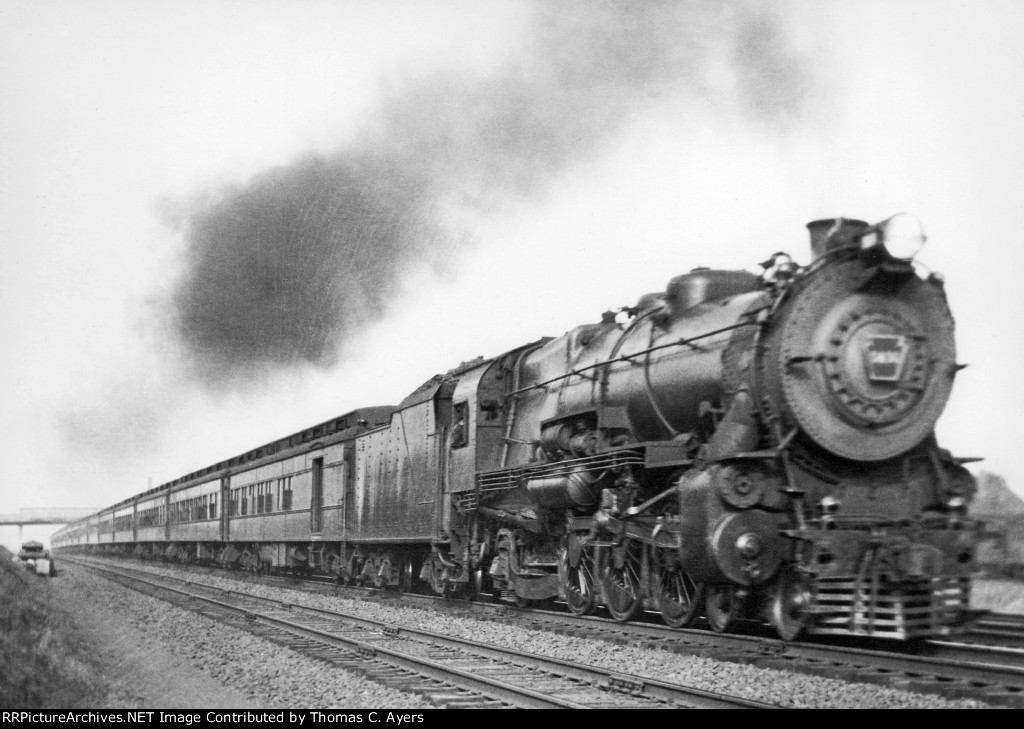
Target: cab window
x,y
460,425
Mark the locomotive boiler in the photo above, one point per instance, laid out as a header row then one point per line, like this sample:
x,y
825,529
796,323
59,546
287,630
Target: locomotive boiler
x,y
740,445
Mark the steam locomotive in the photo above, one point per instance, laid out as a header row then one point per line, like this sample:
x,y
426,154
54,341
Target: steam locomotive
x,y
740,445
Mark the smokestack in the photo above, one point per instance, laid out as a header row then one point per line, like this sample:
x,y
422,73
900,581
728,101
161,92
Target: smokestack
x,y
829,234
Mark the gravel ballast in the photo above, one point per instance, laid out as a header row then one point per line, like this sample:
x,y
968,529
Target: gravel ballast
x,y
267,675
291,680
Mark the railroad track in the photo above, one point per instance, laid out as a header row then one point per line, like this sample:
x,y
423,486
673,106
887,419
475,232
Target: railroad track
x,y
447,671
953,669
998,630
1005,630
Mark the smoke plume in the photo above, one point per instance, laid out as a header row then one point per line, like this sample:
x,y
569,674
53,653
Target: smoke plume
x,y
281,271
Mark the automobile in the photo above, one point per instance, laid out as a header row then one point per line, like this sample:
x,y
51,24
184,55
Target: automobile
x,y
37,559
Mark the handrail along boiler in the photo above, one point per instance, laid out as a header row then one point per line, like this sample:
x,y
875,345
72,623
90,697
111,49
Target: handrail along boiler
x,y
740,445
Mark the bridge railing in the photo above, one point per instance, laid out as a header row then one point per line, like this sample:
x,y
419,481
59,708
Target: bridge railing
x,y
58,515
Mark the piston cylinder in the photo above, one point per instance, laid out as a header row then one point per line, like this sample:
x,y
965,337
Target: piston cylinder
x,y
574,490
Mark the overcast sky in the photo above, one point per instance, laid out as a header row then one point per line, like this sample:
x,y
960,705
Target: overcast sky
x,y
224,221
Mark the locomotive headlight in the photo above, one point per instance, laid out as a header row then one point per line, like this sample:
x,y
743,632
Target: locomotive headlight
x,y
901,236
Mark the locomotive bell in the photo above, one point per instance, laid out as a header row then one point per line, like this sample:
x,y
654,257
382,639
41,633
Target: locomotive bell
x,y
829,234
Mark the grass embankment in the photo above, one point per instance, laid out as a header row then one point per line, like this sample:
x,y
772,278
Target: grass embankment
x,y
43,662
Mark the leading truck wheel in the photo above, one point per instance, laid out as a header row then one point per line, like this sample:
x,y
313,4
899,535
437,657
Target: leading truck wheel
x,y
787,610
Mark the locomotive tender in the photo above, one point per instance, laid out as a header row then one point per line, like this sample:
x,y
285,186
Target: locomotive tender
x,y
740,445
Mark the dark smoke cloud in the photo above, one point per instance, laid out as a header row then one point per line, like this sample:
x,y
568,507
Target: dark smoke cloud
x,y
279,269
280,272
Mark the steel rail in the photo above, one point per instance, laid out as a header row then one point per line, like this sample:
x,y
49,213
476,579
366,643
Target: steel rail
x,y
991,674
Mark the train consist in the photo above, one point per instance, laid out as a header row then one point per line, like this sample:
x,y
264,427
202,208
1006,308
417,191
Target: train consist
x,y
740,445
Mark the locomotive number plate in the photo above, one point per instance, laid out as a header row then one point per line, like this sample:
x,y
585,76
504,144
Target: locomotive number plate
x,y
884,357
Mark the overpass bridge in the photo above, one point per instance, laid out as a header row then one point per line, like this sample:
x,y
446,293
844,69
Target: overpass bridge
x,y
59,515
